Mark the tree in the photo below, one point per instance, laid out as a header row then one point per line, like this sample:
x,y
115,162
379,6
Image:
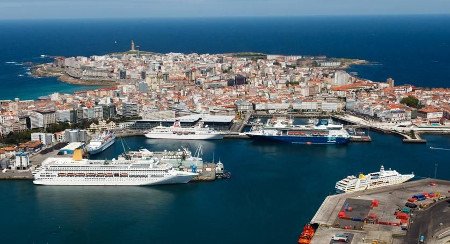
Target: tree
x,y
411,101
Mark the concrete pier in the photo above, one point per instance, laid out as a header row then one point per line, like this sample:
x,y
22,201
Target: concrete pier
x,y
385,227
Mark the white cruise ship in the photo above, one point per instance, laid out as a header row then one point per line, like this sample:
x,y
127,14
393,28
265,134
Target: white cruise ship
x,y
177,132
100,143
372,180
121,172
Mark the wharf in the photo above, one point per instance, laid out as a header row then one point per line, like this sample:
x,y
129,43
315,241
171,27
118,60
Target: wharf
x,y
413,138
236,136
208,173
16,175
429,219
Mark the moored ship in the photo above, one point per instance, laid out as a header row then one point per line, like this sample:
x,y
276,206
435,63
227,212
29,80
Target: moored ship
x,y
121,172
177,132
323,132
373,180
100,143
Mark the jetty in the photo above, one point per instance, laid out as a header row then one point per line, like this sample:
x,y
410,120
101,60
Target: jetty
x,y
392,214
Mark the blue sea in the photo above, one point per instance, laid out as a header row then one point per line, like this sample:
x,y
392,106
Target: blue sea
x,y
275,188
410,49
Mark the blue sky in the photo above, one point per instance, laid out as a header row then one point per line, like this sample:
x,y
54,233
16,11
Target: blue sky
x,y
56,9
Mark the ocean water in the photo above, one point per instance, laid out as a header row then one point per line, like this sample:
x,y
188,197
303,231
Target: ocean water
x,y
274,190
411,49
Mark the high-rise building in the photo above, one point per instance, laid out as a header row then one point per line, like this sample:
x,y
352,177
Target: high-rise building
x,y
130,110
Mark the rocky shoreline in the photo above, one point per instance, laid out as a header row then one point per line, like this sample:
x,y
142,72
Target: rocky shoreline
x,y
44,70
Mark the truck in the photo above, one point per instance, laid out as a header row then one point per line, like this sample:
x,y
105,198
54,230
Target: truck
x,y
340,238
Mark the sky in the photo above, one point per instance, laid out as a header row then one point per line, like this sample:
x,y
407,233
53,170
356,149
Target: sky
x,y
78,9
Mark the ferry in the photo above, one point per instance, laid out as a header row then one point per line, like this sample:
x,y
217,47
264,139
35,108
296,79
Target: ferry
x,y
100,143
180,158
176,132
77,171
324,132
373,180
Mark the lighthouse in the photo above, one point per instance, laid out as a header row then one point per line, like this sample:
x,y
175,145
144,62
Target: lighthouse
x,y
133,48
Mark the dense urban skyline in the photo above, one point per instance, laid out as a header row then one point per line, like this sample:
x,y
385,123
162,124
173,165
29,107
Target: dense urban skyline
x,y
59,9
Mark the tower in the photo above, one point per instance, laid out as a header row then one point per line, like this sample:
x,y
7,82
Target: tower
x,y
132,46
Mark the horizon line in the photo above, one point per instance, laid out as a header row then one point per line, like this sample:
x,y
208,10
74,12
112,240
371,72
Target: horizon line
x,y
230,17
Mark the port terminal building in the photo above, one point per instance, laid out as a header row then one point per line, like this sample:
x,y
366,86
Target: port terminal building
x,y
218,122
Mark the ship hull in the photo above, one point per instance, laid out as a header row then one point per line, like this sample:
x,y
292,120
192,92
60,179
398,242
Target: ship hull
x,y
173,136
302,139
375,186
114,181
102,148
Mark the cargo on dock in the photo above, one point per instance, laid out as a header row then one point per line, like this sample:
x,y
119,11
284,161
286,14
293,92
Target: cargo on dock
x,y
384,214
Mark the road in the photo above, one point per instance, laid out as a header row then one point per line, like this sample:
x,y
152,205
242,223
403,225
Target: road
x,y
428,222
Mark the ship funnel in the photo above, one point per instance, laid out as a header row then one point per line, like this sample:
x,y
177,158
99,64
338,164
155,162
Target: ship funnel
x,y
78,155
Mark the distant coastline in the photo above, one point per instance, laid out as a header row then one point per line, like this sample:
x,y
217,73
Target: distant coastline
x,y
50,70
44,70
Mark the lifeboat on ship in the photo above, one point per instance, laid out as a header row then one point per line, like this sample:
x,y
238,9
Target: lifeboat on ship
x,y
306,235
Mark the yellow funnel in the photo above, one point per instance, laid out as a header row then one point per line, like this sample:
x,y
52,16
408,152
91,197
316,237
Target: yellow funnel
x,y
362,176
78,155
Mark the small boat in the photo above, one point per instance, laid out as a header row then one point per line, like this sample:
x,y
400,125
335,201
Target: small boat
x,y
306,235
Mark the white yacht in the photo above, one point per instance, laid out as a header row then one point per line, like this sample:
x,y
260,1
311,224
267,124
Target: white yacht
x,y
121,172
199,132
373,180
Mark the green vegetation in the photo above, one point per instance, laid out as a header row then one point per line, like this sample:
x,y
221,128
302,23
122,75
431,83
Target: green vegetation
x,y
411,101
53,128
14,138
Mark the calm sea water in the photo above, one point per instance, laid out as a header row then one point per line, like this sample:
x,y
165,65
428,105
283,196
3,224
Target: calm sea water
x,y
273,192
275,188
411,49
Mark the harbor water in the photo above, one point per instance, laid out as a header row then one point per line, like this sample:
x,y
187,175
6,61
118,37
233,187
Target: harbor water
x,y
274,190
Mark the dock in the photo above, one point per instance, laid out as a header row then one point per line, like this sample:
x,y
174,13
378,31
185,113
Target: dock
x,y
413,138
208,173
372,216
16,175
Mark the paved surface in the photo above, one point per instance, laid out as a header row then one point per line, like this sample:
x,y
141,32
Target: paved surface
x,y
360,210
391,199
428,223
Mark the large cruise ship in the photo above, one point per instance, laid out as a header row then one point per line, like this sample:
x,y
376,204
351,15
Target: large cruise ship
x,y
100,143
372,180
121,172
323,132
199,132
